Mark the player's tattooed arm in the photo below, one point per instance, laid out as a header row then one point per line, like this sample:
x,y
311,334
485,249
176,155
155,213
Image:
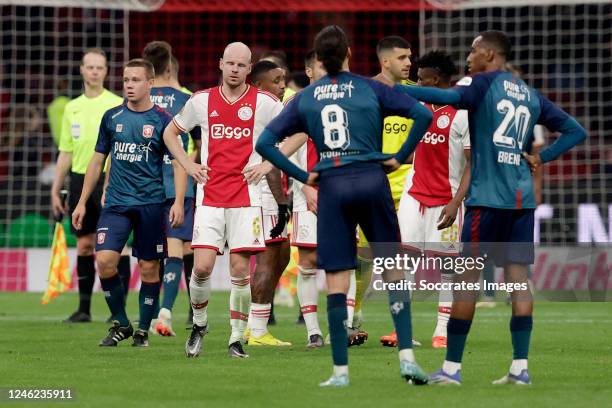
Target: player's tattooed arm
x,y
449,212
89,184
199,172
177,211
275,182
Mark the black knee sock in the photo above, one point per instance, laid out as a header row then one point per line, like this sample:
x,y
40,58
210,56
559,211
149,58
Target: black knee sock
x,y
125,273
86,272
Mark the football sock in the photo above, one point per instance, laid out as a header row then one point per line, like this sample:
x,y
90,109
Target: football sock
x,y
336,317
406,355
399,305
350,299
340,370
517,366
240,301
86,272
199,292
445,301
520,329
172,280
258,318
125,272
114,296
451,367
148,298
308,295
458,330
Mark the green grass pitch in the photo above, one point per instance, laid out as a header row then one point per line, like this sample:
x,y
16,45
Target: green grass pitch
x,y
570,360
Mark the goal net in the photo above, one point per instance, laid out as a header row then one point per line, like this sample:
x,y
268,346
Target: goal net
x,y
564,50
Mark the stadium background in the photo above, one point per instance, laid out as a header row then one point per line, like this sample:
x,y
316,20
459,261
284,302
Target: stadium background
x,y
563,47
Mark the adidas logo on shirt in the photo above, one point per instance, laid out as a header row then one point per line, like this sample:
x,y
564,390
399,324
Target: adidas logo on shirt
x,y
213,114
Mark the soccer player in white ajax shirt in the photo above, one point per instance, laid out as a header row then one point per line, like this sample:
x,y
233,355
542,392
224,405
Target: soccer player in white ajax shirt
x,y
231,117
431,208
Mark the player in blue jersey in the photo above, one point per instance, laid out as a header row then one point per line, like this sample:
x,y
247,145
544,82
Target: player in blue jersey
x,y
503,111
171,99
343,114
132,133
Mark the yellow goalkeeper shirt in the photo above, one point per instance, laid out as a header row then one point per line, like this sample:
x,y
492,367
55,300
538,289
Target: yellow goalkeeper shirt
x,y
395,132
81,124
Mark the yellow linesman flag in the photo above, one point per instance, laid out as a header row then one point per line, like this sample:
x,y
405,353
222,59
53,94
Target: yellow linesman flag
x,y
59,270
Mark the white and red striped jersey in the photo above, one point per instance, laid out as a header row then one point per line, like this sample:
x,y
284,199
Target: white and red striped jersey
x,y
229,133
439,158
305,158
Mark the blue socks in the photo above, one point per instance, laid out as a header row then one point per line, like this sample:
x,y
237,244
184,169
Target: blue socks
x,y
171,281
520,329
148,299
457,332
125,273
114,294
336,317
399,305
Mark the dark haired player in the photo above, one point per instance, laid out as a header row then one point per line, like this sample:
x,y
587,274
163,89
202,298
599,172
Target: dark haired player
x,y
343,114
503,111
132,134
171,99
431,208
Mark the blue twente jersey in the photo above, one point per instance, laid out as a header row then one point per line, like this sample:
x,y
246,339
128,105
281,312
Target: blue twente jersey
x,y
343,115
503,111
173,100
136,145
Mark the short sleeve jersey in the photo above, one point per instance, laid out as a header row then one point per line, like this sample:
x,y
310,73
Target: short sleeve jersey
x,y
135,143
172,101
80,125
439,159
343,115
503,111
306,158
229,133
395,132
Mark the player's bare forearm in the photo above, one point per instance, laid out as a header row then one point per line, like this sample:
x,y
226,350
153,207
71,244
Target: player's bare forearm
x,y
464,184
266,147
291,144
537,177
275,182
94,169
180,182
62,167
